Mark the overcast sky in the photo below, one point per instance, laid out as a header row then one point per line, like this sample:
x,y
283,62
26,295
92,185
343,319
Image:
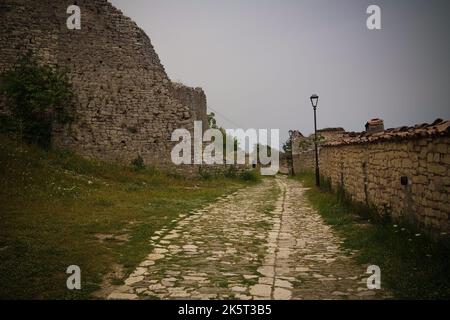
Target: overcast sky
x,y
260,60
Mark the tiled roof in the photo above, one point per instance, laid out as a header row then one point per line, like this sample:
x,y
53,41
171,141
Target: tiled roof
x,y
438,128
339,129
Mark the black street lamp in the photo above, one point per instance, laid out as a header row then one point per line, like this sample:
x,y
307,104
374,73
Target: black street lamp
x,y
314,99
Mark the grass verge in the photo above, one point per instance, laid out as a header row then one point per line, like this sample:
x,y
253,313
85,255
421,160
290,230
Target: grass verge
x,y
413,266
58,209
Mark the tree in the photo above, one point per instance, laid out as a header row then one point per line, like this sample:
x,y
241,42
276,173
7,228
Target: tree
x,y
213,125
287,148
37,96
212,120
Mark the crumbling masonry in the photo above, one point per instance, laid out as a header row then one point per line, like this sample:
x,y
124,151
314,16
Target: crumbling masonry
x,y
125,104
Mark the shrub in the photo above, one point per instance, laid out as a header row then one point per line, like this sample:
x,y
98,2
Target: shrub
x,y
325,183
250,175
138,163
204,173
231,172
37,96
175,175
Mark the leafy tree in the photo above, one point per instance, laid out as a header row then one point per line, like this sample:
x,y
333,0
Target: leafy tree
x,y
212,120
287,148
37,96
225,139
213,125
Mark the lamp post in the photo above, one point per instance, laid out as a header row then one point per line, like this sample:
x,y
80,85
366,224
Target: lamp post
x,y
314,99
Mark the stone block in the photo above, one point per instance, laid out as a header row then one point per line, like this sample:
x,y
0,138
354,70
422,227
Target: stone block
x,y
437,169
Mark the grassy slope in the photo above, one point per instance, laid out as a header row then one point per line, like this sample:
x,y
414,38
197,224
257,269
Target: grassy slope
x,y
412,267
54,204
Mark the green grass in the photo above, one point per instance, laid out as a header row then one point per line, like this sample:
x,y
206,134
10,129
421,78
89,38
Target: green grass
x,y
54,205
412,267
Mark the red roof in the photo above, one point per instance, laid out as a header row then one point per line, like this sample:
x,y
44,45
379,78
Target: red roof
x,y
437,128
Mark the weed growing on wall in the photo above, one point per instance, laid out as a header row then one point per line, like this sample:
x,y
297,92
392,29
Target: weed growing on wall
x,y
38,96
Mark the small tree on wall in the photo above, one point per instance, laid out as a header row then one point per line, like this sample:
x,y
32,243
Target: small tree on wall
x,y
212,122
37,96
287,148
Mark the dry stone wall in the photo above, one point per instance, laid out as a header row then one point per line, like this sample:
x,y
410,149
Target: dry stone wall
x,y
401,174
125,104
303,161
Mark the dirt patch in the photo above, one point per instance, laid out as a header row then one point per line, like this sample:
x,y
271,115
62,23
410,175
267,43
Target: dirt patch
x,y
110,282
103,237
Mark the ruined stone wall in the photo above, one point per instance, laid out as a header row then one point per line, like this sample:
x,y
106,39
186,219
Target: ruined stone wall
x,y
403,172
124,102
195,99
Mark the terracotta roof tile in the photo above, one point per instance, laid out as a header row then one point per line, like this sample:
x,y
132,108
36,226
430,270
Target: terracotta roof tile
x,y
438,128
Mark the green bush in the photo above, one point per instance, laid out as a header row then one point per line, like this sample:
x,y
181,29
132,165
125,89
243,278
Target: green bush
x,y
175,175
37,96
325,183
205,173
231,172
250,175
138,163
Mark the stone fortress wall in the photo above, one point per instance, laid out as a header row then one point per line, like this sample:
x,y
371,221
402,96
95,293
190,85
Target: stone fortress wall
x,y
404,172
194,98
125,105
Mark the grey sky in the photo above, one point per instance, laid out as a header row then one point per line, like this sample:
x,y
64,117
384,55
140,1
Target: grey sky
x,y
260,60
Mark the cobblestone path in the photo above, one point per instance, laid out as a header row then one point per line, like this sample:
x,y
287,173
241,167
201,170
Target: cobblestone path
x,y
262,242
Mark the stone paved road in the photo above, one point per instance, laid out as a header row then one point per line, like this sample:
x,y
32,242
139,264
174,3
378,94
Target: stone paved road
x,y
262,242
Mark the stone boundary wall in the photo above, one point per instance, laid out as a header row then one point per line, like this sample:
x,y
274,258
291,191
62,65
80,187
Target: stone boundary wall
x,y
304,161
125,104
404,175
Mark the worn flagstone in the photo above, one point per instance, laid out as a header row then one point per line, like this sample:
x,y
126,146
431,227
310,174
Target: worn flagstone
x,y
262,242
